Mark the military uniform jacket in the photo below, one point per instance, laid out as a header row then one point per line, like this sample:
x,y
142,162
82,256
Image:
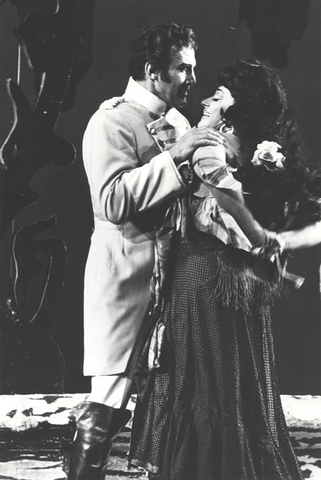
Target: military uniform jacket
x,y
129,178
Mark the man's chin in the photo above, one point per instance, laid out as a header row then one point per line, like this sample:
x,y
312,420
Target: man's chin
x,y
181,103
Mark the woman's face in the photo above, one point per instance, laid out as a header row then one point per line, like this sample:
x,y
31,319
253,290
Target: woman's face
x,y
215,106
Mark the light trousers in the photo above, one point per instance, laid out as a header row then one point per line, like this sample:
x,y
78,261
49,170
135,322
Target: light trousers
x,y
115,390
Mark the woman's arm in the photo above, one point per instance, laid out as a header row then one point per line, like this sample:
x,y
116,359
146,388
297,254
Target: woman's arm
x,y
210,166
233,203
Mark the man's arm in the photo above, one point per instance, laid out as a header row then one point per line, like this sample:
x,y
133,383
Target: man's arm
x,y
120,185
309,236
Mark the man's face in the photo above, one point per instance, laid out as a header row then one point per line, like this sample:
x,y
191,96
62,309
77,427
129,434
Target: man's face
x,y
175,86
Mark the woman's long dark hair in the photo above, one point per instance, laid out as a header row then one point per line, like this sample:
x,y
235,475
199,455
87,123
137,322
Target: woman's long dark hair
x,y
283,199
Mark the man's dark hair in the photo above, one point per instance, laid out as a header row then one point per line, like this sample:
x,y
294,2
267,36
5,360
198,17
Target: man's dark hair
x,y
155,45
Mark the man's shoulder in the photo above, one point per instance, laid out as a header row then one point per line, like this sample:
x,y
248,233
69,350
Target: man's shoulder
x,y
119,106
111,103
114,117
123,112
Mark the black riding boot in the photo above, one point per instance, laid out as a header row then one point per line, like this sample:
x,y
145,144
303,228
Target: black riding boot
x,y
97,424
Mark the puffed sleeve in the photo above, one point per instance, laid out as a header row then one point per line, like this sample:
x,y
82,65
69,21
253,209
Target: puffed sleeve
x,y
120,186
211,167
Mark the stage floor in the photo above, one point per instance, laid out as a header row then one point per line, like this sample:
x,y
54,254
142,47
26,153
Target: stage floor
x,y
35,431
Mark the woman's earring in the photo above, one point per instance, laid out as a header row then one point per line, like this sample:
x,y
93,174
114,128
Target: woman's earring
x,y
225,129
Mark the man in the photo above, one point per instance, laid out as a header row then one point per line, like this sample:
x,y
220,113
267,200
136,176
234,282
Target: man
x,y
131,181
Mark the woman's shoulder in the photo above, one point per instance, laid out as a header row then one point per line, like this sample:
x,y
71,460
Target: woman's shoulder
x,y
216,154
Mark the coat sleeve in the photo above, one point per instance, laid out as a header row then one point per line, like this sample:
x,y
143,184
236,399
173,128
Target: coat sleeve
x,y
120,185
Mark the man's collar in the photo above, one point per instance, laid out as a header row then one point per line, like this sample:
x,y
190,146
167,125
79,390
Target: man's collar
x,y
144,97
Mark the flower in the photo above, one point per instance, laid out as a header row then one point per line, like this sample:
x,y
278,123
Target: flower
x,y
267,154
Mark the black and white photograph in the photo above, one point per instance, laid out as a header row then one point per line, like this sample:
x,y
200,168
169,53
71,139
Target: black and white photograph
x,y
160,239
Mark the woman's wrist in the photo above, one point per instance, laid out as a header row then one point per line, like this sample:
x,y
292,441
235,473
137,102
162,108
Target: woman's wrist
x,y
281,239
266,237
270,248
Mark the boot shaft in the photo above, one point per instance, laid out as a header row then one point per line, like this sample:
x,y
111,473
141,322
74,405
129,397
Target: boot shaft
x,y
97,425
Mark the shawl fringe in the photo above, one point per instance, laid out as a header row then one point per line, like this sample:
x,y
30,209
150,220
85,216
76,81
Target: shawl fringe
x,y
243,283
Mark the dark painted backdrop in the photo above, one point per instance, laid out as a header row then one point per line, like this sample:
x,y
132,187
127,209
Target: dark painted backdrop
x,y
45,355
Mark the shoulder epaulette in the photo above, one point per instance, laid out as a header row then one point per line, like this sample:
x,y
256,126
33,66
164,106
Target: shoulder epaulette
x,y
111,103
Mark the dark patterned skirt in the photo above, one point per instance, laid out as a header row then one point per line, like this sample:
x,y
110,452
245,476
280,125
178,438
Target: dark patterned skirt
x,y
213,410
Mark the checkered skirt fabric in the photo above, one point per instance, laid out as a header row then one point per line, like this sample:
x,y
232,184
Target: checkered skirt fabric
x,y
212,411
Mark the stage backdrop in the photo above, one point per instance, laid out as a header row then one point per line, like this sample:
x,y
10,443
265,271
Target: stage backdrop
x,y
62,64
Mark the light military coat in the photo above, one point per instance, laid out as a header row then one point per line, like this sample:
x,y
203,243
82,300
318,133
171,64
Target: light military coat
x,y
129,177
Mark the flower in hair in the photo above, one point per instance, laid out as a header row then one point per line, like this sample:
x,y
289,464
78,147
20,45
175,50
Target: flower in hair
x,y
267,154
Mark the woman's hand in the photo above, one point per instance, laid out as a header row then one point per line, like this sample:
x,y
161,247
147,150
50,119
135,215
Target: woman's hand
x,y
270,248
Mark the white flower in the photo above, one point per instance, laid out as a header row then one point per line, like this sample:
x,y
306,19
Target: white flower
x,y
267,154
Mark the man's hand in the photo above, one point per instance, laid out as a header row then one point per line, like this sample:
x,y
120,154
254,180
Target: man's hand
x,y
195,138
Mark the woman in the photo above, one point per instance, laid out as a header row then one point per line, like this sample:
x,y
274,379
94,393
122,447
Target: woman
x,y
212,409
